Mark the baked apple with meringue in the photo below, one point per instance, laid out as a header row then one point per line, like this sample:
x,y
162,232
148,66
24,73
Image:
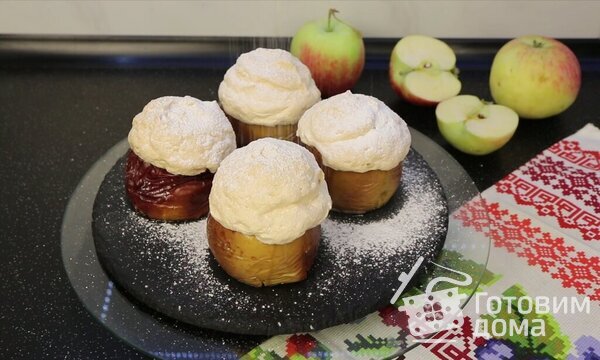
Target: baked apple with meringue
x,y
266,205
264,94
360,144
177,143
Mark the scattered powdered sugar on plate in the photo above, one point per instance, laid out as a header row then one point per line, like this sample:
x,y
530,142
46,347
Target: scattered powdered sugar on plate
x,y
420,215
182,249
168,266
187,240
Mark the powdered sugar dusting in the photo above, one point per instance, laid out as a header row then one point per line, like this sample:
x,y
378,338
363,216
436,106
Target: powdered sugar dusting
x,y
187,239
400,232
272,189
169,266
355,132
268,87
183,135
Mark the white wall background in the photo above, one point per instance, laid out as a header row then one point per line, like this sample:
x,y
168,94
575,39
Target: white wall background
x,y
448,19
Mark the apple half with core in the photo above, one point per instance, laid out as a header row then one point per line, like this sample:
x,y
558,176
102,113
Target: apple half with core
x,y
474,126
536,76
333,51
423,70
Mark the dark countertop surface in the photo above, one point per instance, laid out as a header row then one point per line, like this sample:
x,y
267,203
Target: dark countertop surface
x,y
65,102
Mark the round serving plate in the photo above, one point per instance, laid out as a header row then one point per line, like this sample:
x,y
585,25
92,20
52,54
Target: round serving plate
x,y
160,335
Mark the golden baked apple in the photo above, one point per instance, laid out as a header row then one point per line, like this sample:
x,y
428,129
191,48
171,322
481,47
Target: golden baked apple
x,y
265,93
360,144
255,263
357,193
267,203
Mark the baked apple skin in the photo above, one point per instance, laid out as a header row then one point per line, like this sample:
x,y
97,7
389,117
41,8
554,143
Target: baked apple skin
x,y
248,260
161,195
246,133
358,193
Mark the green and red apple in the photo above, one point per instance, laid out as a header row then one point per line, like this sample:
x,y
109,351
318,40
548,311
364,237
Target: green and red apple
x,y
474,126
423,70
333,51
536,76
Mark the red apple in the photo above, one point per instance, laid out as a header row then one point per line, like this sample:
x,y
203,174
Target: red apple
x,y
538,77
333,51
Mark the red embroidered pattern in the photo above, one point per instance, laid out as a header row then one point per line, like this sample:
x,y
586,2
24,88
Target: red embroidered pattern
x,y
568,215
570,181
571,151
574,269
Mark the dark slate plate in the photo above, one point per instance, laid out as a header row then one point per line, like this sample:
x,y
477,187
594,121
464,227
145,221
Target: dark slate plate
x,y
169,268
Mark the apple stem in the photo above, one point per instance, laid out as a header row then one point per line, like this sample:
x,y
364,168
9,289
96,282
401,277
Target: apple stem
x,y
332,13
537,44
480,116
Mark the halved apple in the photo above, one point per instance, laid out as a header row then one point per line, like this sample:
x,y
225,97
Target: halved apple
x,y
474,126
423,70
